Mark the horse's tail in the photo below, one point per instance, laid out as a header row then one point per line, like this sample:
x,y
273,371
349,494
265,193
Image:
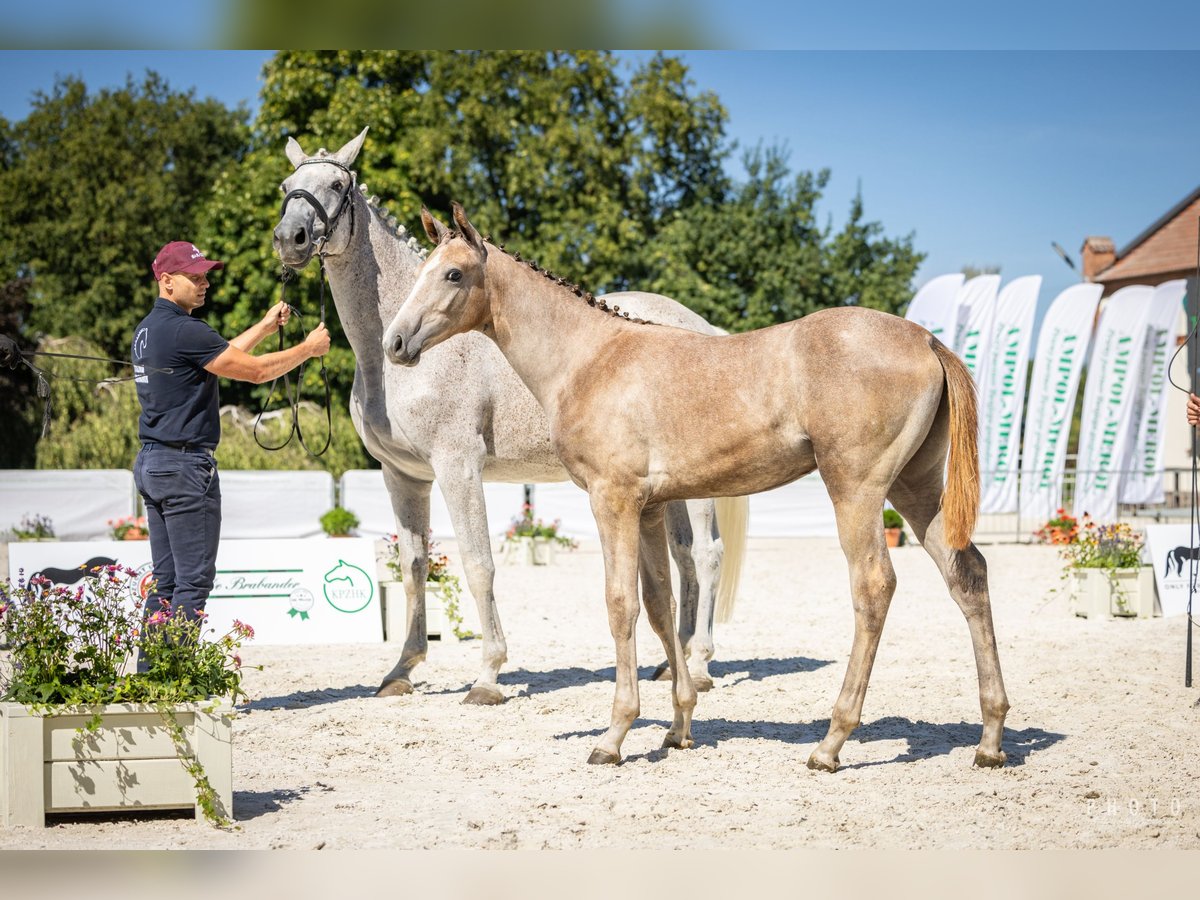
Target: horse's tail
x,y
960,501
733,517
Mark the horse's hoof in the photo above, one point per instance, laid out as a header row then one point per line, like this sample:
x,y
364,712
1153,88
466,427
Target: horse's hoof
x,y
481,695
603,758
662,673
674,742
986,759
702,683
820,763
397,688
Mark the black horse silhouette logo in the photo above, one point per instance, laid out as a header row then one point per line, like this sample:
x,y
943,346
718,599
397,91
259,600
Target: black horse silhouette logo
x,y
71,576
1178,556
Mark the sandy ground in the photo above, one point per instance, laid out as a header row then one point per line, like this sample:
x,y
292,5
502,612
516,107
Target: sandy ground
x,y
1101,737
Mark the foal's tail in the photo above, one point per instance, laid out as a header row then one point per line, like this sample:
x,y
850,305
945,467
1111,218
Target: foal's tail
x,y
733,516
960,501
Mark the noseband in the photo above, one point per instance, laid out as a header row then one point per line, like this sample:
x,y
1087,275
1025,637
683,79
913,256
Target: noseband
x,y
330,222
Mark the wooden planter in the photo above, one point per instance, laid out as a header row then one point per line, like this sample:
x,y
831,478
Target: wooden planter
x,y
894,536
394,607
1129,593
129,763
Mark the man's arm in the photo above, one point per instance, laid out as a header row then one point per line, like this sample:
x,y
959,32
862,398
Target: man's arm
x,y
1193,410
239,365
277,316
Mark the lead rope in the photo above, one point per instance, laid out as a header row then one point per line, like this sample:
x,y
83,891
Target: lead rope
x,y
1194,532
293,400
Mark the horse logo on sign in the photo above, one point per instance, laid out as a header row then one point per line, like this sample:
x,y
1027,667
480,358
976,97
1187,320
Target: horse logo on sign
x,y
348,588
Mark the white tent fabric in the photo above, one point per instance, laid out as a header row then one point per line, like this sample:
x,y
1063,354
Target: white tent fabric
x,y
364,494
269,504
78,502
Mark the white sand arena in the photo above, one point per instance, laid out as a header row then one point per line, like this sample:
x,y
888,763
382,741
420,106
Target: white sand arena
x,y
1101,738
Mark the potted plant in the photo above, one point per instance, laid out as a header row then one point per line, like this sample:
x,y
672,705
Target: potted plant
x,y
1062,528
80,731
443,593
129,528
339,522
893,528
34,528
1105,574
531,541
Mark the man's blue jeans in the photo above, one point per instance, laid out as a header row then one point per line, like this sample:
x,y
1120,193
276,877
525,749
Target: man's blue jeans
x,y
182,493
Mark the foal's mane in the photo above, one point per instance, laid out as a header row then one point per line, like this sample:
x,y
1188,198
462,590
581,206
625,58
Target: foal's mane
x,y
567,286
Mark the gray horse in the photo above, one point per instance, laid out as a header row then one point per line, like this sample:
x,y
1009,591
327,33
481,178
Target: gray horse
x,y
464,418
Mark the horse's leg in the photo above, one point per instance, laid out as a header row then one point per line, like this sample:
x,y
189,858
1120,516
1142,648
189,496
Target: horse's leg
x,y
696,548
618,518
660,609
410,503
917,496
858,508
461,481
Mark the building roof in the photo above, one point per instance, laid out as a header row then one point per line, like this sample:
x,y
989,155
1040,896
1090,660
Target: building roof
x,y
1167,247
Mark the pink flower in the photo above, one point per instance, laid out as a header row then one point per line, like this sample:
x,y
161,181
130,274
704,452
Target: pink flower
x,y
158,618
243,630
237,661
3,609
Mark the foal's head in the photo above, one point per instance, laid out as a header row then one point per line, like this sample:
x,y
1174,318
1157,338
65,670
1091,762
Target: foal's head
x,y
449,296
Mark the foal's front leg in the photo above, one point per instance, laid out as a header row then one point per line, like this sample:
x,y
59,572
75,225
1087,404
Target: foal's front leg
x,y
617,520
461,481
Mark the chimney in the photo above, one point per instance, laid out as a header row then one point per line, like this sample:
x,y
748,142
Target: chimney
x,y
1098,254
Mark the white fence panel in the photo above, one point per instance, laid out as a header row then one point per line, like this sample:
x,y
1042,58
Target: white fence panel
x,y
270,504
78,502
364,494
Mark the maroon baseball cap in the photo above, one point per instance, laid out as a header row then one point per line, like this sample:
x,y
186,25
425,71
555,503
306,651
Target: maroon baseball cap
x,y
182,256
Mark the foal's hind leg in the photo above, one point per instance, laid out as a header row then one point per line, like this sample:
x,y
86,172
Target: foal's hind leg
x,y
872,583
916,497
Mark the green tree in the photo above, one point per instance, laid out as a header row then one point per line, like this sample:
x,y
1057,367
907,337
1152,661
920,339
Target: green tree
x,y
92,185
754,255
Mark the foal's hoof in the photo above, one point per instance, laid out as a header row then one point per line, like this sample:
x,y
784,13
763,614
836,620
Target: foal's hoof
x,y
397,688
662,673
603,758
986,759
481,695
675,742
819,762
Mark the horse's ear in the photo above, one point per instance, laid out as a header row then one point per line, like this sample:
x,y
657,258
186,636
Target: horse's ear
x,y
294,154
433,228
468,230
349,153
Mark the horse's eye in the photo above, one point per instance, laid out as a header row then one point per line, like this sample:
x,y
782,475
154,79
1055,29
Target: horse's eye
x,y
454,275
337,186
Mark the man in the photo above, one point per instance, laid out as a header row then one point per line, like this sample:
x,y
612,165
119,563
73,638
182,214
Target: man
x,y
176,362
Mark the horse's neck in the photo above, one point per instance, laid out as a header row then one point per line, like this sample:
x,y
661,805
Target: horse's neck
x,y
369,281
545,332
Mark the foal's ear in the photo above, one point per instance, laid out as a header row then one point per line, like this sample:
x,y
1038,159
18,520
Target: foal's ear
x,y
434,229
470,235
294,154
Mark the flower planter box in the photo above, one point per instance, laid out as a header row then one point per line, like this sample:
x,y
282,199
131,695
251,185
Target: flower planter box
x,y
1095,595
894,537
543,551
394,607
129,763
529,551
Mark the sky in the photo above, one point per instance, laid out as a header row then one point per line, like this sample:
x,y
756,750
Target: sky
x,y
985,157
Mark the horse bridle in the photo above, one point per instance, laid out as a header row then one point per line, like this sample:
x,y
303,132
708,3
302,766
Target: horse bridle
x,y
330,222
319,242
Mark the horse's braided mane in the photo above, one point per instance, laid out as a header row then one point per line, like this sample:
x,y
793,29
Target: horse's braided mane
x,y
586,296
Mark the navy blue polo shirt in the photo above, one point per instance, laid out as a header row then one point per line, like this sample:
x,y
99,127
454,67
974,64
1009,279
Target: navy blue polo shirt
x,y
181,406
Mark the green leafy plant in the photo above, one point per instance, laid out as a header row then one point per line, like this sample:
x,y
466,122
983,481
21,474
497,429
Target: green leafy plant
x,y
33,528
892,519
339,522
449,586
525,525
74,646
1104,547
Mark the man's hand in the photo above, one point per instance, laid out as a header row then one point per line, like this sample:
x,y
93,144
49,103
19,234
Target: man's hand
x,y
10,353
1193,410
317,342
277,316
